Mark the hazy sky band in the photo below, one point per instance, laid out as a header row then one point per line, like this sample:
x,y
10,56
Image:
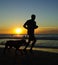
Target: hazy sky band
x,y
15,12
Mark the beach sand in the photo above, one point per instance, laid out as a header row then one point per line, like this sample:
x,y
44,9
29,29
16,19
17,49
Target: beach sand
x,y
35,58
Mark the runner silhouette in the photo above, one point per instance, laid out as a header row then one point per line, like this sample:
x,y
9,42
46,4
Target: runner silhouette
x,y
30,25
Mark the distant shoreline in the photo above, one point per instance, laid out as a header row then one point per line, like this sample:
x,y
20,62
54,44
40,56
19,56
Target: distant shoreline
x,y
38,38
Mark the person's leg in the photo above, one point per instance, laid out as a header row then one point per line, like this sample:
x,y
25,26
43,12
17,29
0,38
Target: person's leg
x,y
33,43
27,45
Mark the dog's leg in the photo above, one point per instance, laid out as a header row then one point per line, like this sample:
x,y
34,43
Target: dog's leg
x,y
5,49
16,51
9,48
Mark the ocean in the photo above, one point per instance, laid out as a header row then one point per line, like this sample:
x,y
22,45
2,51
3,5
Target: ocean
x,y
44,42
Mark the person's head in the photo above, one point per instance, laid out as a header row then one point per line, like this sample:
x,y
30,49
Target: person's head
x,y
33,17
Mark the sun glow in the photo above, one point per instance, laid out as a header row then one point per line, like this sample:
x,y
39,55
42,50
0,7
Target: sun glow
x,y
18,30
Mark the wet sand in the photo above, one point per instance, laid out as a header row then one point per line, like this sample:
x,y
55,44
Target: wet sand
x,y
35,58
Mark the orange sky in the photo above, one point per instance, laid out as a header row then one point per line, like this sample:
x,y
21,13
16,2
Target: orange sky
x,y
48,30
40,30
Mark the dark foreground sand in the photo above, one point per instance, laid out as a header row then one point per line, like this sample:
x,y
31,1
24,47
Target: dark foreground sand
x,y
37,58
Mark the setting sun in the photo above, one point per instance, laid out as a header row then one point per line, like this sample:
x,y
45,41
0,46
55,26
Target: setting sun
x,y
18,30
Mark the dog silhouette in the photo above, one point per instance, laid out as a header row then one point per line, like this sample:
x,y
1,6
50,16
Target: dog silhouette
x,y
14,43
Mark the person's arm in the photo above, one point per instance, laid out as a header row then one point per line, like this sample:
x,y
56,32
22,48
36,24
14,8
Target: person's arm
x,y
25,25
36,25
